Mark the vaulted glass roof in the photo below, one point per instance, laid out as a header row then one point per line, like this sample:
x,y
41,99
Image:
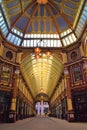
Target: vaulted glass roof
x,y
59,23
43,74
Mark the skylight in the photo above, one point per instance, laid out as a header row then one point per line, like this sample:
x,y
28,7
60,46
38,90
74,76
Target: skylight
x,y
55,39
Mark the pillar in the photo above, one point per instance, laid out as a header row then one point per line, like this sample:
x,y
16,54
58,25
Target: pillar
x,y
70,111
17,109
85,70
38,111
1,48
22,110
12,111
42,108
38,108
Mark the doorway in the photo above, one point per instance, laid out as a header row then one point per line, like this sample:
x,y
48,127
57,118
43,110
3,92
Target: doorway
x,y
80,107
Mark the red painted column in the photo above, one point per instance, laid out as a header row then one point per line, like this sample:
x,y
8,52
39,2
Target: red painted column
x,y
12,112
70,111
85,70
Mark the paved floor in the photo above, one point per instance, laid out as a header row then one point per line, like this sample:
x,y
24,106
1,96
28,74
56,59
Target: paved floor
x,y
43,123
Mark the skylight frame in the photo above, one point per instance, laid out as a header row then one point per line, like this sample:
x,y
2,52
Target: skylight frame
x,y
15,36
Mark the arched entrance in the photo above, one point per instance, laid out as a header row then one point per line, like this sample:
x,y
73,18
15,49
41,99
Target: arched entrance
x,y
42,104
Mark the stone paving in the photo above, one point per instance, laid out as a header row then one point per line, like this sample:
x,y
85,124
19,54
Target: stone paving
x,y
43,123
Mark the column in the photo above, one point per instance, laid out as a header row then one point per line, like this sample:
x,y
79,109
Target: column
x,y
28,109
21,109
12,111
1,48
17,111
70,111
42,108
38,108
85,70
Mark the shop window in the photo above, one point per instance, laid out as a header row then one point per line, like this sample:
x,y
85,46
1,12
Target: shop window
x,y
5,77
77,74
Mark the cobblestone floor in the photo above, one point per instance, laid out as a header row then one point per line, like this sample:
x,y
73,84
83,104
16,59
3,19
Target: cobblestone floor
x,y
43,123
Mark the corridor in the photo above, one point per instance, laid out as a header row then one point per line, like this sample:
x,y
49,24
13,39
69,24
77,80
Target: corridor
x,y
43,123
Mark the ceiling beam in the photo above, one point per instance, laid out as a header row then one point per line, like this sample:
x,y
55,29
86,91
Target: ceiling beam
x,y
18,18
61,13
63,16
29,22
54,21
21,5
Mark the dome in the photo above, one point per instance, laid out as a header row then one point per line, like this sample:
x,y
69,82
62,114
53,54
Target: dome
x,y
57,23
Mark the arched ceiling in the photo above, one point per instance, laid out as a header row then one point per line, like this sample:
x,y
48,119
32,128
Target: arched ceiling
x,y
55,21
43,74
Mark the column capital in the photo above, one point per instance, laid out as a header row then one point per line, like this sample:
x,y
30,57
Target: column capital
x,y
85,65
66,71
16,73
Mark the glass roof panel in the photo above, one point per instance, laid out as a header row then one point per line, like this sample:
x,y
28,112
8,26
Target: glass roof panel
x,y
24,26
12,4
40,72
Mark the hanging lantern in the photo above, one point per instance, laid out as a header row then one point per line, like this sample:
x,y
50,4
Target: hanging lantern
x,y
48,53
37,50
37,56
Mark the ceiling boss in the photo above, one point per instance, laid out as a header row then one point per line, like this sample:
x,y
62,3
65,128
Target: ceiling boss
x,y
42,1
